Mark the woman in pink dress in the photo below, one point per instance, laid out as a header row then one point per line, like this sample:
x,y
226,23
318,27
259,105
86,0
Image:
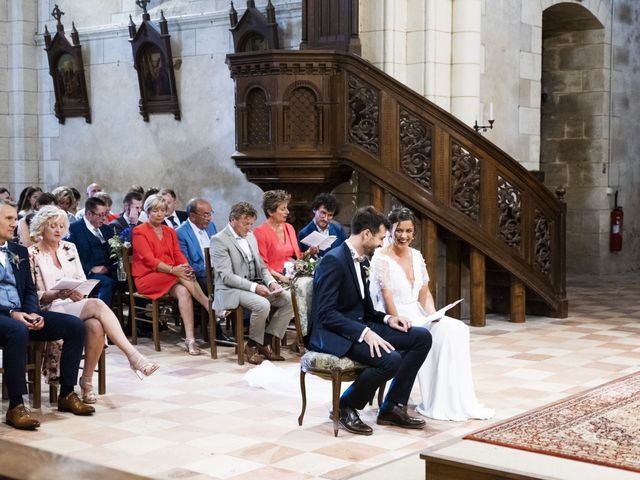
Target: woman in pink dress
x,y
53,259
159,266
277,240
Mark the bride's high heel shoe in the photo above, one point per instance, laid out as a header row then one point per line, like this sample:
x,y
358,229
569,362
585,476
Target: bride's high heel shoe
x,y
86,390
142,366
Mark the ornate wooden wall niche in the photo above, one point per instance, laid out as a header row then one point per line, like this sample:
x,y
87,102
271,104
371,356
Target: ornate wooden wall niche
x,y
67,70
302,115
330,24
256,115
153,61
254,32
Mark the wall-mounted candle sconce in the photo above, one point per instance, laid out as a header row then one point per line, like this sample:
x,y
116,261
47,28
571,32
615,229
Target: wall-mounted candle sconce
x,y
484,128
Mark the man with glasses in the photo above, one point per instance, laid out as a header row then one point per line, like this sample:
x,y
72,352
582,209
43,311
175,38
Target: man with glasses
x,y
325,207
90,235
194,235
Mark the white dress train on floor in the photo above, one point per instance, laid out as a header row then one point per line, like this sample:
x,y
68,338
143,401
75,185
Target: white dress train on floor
x,y
446,383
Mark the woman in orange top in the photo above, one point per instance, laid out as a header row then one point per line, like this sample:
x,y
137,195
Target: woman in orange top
x,y
159,267
277,240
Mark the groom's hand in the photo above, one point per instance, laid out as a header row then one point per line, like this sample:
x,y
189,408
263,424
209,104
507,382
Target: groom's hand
x,y
399,323
376,342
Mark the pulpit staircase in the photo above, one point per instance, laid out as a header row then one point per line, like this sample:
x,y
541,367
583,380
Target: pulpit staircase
x,y
306,119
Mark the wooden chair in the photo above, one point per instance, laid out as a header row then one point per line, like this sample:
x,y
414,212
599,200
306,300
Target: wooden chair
x,y
137,312
102,379
34,372
238,316
323,365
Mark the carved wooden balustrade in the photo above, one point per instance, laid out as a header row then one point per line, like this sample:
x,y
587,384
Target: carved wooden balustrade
x,y
304,119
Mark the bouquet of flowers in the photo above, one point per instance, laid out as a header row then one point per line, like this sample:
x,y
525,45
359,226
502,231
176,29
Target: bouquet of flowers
x,y
305,267
118,243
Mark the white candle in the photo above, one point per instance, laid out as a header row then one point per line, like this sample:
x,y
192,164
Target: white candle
x,y
491,111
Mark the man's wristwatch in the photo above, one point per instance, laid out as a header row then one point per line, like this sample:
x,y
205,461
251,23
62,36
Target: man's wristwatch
x,y
11,312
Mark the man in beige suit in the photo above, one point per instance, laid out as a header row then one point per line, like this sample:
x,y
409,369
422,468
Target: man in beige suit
x,y
241,278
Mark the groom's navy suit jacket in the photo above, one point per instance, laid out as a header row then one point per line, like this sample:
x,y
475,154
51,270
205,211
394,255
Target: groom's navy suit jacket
x,y
338,313
24,281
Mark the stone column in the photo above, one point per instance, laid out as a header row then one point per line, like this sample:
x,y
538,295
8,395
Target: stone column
x,y
20,147
466,59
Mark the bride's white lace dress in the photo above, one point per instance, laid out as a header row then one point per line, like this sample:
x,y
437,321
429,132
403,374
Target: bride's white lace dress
x,y
446,384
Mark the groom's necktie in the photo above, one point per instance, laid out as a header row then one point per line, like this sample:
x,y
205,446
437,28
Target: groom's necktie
x,y
174,224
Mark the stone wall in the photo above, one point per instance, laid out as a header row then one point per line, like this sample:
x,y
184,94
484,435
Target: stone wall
x,y
118,148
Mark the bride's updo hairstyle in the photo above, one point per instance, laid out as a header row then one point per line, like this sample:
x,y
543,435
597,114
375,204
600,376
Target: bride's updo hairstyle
x,y
401,214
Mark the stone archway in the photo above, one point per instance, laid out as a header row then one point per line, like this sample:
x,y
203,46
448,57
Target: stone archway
x,y
574,126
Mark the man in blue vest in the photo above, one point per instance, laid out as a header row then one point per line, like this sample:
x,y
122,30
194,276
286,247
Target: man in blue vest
x,y
21,320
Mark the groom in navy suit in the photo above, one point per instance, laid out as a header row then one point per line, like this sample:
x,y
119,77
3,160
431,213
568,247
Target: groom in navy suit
x,y
344,323
21,319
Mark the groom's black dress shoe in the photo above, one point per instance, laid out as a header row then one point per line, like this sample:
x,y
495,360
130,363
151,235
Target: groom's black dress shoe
x,y
399,417
350,420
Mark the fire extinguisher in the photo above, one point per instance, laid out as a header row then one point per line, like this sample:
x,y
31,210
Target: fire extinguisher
x,y
615,234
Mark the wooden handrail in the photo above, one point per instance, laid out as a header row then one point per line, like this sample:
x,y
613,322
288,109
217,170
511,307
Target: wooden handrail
x,y
415,150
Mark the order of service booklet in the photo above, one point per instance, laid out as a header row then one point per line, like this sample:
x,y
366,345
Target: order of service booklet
x,y
82,286
436,316
316,239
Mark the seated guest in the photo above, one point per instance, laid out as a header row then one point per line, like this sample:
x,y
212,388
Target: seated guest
x,y
92,189
24,233
132,205
5,194
27,199
174,217
106,198
53,259
276,238
22,320
90,237
324,208
345,323
76,200
243,279
159,267
65,199
194,236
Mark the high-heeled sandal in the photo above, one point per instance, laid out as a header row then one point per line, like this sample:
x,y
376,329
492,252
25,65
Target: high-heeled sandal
x,y
142,366
86,391
192,347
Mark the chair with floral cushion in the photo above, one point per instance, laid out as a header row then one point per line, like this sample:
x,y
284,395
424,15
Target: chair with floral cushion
x,y
323,365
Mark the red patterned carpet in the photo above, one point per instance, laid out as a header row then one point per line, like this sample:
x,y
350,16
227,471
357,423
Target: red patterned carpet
x,y
599,426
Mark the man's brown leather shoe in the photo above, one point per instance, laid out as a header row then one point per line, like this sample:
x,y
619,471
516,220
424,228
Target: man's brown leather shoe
x,y
20,417
269,354
251,355
72,403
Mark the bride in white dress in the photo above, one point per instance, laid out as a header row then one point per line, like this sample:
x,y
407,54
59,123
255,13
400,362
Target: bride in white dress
x,y
399,286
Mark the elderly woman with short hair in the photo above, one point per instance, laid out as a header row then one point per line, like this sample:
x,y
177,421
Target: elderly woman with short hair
x,y
159,266
53,259
277,240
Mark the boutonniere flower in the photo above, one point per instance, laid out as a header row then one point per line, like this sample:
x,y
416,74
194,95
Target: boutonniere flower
x,y
15,259
367,272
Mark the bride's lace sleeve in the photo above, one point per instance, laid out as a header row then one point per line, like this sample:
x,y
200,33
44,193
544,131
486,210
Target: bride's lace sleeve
x,y
380,271
379,280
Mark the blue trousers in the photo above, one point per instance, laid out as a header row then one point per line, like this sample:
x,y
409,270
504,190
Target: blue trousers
x,y
14,337
401,365
105,287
